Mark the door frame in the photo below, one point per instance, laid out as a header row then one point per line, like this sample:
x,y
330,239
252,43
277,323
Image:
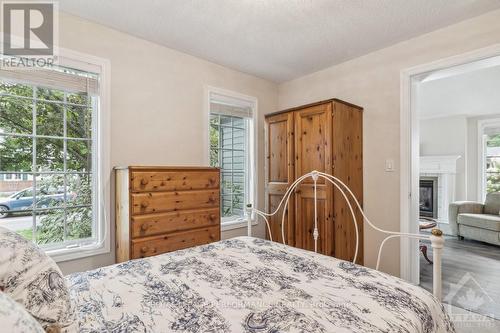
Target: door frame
x,y
409,150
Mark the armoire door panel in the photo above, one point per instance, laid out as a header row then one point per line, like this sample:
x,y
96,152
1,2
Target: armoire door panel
x,y
313,132
275,221
313,152
305,220
347,159
280,173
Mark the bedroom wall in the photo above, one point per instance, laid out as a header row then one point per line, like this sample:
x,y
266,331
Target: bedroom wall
x,y
373,81
447,136
157,105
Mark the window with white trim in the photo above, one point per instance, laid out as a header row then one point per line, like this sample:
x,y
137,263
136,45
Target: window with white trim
x,y
230,136
490,156
48,134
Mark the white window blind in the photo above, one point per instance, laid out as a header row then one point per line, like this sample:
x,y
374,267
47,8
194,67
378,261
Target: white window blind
x,y
58,78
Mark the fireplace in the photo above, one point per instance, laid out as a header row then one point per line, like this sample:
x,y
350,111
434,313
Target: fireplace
x,y
428,197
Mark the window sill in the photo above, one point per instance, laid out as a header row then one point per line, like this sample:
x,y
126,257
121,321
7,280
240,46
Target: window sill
x,y
235,224
66,254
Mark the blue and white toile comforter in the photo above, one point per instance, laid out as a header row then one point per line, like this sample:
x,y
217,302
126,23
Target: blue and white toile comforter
x,y
250,285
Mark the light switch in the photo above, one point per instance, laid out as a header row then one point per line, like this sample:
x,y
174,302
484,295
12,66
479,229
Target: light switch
x,y
389,165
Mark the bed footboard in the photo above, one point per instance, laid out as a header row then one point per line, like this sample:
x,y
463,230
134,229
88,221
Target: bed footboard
x,y
436,238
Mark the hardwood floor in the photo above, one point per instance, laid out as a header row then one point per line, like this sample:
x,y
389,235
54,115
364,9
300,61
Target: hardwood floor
x,y
469,322
471,275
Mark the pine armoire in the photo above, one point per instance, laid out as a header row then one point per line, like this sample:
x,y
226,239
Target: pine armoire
x,y
324,136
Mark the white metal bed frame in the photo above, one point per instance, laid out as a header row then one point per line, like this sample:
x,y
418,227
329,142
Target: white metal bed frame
x,y
436,238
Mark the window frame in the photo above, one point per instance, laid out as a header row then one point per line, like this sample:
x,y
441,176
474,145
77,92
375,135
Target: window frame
x,y
101,167
237,99
482,125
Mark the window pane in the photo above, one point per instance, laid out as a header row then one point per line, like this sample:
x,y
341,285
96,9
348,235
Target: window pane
x,y
50,226
226,206
226,137
225,120
49,154
50,94
231,139
214,119
16,89
61,209
50,191
79,189
214,158
238,122
79,121
16,153
16,202
16,115
77,98
492,163
79,223
49,119
79,155
214,136
239,138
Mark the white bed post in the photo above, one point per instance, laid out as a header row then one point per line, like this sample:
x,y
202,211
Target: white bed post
x,y
315,175
437,243
249,220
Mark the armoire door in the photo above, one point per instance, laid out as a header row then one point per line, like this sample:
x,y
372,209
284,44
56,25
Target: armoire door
x,y
313,151
280,174
348,166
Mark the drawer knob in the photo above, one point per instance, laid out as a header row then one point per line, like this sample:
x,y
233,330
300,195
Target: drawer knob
x,y
212,217
144,204
144,249
144,181
212,236
144,226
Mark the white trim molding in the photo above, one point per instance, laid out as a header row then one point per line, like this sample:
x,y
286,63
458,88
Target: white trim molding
x,y
409,149
483,124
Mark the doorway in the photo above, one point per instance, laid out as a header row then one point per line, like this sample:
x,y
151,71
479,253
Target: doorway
x,y
447,156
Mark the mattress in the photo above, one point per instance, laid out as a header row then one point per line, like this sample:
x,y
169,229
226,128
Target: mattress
x,y
247,284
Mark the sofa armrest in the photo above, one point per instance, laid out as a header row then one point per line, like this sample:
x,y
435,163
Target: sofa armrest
x,y
462,207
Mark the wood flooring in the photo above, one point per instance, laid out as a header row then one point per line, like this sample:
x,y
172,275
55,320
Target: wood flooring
x,y
471,275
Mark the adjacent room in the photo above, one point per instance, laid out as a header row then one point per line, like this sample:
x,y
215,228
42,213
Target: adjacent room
x,y
250,166
458,111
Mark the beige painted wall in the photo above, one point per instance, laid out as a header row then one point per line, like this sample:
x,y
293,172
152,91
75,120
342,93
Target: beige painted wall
x,y
157,105
373,81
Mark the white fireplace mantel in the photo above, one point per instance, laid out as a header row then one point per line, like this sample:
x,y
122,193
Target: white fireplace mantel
x,y
439,164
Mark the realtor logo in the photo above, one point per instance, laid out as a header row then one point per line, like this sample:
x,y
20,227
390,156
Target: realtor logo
x,y
467,294
29,32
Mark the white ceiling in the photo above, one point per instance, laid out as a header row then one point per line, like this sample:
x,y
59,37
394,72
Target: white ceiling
x,y
277,39
468,90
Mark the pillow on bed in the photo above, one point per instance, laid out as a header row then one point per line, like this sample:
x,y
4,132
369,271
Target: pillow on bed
x,y
32,278
15,319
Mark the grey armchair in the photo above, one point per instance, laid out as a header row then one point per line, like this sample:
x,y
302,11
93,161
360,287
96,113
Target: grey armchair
x,y
475,220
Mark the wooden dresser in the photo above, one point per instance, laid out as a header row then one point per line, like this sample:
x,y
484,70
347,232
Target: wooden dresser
x,y
163,209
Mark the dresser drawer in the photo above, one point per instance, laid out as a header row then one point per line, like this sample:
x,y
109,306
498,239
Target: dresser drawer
x,y
154,224
149,181
156,202
150,246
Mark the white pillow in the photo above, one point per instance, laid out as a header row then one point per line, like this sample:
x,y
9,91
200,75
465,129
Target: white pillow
x,y
33,279
14,317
